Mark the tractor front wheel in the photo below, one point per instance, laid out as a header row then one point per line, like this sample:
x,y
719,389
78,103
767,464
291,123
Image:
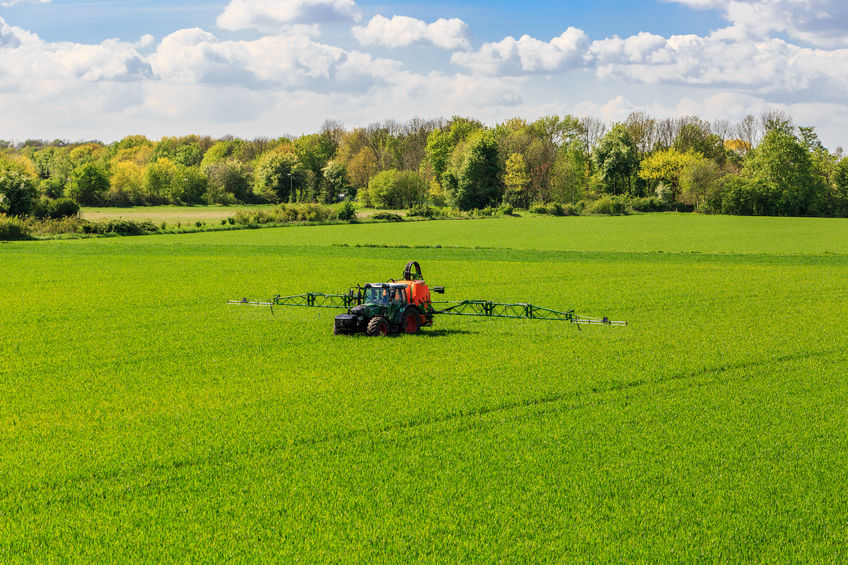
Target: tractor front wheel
x,y
411,321
377,326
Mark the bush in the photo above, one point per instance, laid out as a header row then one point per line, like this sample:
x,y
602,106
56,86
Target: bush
x,y
506,209
648,204
539,209
555,209
13,229
284,213
119,227
63,208
422,212
387,216
347,212
570,210
610,205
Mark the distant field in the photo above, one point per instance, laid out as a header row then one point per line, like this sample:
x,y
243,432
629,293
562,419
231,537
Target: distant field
x,y
182,214
167,214
144,419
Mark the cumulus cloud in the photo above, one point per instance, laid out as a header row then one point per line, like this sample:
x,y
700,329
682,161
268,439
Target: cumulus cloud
x,y
24,58
527,54
765,67
272,15
401,31
288,61
818,22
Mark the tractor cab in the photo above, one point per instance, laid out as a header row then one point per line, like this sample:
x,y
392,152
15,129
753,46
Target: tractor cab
x,y
384,294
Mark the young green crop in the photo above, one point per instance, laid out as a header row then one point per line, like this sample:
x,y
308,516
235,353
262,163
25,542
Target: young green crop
x,y
143,419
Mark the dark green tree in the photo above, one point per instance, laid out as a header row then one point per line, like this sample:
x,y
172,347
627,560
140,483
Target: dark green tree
x,y
18,193
784,166
478,182
616,160
89,182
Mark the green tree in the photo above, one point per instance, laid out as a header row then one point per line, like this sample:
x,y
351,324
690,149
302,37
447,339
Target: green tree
x,y
336,184
188,185
18,193
280,175
89,183
616,160
569,177
840,177
516,181
229,182
783,165
313,152
393,189
158,180
477,184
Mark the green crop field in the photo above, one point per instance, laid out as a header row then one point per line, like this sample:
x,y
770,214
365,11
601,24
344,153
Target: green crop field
x,y
143,419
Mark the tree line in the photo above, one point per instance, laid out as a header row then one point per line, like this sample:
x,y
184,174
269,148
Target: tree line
x,y
758,166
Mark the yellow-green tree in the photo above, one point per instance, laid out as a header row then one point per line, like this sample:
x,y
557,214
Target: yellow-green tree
x,y
516,180
667,167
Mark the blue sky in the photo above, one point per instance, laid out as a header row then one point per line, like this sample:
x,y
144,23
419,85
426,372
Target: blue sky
x,y
105,69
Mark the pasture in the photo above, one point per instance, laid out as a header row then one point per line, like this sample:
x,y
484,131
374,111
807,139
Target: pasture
x,y
144,419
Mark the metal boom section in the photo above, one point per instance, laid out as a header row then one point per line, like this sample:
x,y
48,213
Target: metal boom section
x,y
483,308
518,310
310,299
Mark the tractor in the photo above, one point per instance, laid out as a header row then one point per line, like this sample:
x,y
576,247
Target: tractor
x,y
405,306
391,307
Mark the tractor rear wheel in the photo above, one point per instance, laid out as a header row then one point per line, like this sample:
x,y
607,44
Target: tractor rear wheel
x,y
411,320
378,325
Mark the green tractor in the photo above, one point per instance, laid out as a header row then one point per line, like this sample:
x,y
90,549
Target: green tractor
x,y
404,306
389,308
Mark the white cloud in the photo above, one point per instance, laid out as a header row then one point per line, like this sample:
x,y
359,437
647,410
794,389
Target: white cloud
x,y
273,15
401,31
26,59
641,48
274,61
770,66
818,22
526,55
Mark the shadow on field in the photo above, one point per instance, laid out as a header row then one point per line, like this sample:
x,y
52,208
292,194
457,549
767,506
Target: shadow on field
x,y
443,333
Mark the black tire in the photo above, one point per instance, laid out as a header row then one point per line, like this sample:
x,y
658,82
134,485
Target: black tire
x,y
336,330
378,325
411,320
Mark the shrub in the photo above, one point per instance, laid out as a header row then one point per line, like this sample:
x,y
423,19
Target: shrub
x,y
119,227
539,209
422,212
506,209
63,208
610,205
387,216
648,204
555,209
347,212
570,210
13,229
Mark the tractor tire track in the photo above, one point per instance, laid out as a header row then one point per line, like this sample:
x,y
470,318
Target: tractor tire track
x,y
548,403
